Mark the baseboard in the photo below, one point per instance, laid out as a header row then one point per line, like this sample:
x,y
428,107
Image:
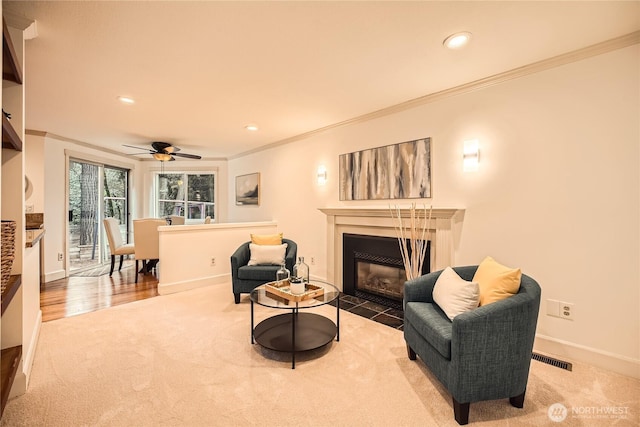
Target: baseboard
x,y
33,344
19,386
171,288
55,275
574,352
21,381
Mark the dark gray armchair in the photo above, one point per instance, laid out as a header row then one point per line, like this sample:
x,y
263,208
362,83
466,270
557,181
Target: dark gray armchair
x,y
246,278
483,354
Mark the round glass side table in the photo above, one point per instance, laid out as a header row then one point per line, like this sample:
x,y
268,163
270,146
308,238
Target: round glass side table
x,y
295,331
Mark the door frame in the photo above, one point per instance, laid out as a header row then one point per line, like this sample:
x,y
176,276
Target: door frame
x,y
77,156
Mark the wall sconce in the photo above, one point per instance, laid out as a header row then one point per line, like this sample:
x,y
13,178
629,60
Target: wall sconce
x,y
470,156
322,175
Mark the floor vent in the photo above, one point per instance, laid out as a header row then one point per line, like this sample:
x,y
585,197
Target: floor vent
x,y
551,361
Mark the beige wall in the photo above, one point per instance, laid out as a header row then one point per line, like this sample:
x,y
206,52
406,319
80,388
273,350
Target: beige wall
x,y
557,193
193,256
34,170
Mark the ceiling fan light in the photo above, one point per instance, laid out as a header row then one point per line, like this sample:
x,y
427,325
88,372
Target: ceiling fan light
x,y
163,157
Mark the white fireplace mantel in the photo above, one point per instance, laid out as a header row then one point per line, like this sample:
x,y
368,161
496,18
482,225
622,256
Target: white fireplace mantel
x,y
444,232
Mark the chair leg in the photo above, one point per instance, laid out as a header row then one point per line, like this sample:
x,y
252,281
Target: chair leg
x,y
152,265
121,259
411,353
461,412
518,401
113,262
137,271
236,297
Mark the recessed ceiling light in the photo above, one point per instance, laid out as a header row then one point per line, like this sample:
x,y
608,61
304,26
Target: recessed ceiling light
x,y
457,40
126,100
252,128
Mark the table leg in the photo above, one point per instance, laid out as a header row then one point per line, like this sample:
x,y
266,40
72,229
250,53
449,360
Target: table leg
x,y
338,319
252,339
294,314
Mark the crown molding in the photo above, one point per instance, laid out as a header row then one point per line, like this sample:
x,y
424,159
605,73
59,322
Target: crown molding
x,y
46,134
536,67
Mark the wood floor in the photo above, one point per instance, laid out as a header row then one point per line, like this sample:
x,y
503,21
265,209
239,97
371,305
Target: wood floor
x,y
81,294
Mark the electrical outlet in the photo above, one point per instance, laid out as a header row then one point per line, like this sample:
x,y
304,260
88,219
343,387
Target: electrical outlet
x,y
313,260
28,209
60,256
566,310
563,310
213,262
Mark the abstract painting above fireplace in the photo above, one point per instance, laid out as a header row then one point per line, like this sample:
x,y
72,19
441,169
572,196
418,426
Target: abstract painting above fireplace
x,y
399,171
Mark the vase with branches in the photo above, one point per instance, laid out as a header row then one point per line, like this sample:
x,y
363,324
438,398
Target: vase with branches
x,y
412,237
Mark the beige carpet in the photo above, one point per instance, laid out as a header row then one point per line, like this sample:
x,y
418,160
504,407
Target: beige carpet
x,y
186,360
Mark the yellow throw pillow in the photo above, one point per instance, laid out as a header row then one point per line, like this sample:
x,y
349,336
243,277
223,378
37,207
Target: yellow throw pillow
x,y
496,281
266,239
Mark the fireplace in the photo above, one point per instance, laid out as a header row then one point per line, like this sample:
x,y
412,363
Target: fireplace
x,y
444,232
373,268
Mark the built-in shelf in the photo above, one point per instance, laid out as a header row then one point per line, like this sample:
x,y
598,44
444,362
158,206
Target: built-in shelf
x,y
34,220
10,361
9,292
11,69
12,72
10,138
33,237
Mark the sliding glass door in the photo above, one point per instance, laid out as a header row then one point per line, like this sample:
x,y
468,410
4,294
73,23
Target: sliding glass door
x,y
96,191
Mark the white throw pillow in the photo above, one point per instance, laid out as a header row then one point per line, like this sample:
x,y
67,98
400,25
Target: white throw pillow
x,y
454,295
267,254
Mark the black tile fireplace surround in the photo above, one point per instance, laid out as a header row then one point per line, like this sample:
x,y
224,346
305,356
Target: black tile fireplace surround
x,y
382,251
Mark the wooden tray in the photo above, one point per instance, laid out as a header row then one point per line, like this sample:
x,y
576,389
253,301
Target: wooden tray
x,y
281,290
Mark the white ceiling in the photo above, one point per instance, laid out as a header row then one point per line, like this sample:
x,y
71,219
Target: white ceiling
x,y
200,71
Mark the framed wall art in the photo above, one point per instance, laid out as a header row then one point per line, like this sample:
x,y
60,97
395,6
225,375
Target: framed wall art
x,y
398,171
248,189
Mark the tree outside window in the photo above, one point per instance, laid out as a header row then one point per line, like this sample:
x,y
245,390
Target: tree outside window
x,y
186,194
115,194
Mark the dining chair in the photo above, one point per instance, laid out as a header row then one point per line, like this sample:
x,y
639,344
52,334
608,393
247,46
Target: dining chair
x,y
146,241
116,243
176,219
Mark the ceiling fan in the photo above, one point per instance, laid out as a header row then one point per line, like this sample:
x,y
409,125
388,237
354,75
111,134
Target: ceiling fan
x,y
165,152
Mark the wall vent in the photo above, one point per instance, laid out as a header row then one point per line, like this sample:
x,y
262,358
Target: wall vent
x,y
551,361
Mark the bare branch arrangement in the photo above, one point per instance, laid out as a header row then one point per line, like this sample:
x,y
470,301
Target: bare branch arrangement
x,y
416,231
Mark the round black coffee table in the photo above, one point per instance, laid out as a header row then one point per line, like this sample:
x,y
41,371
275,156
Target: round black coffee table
x,y
295,331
